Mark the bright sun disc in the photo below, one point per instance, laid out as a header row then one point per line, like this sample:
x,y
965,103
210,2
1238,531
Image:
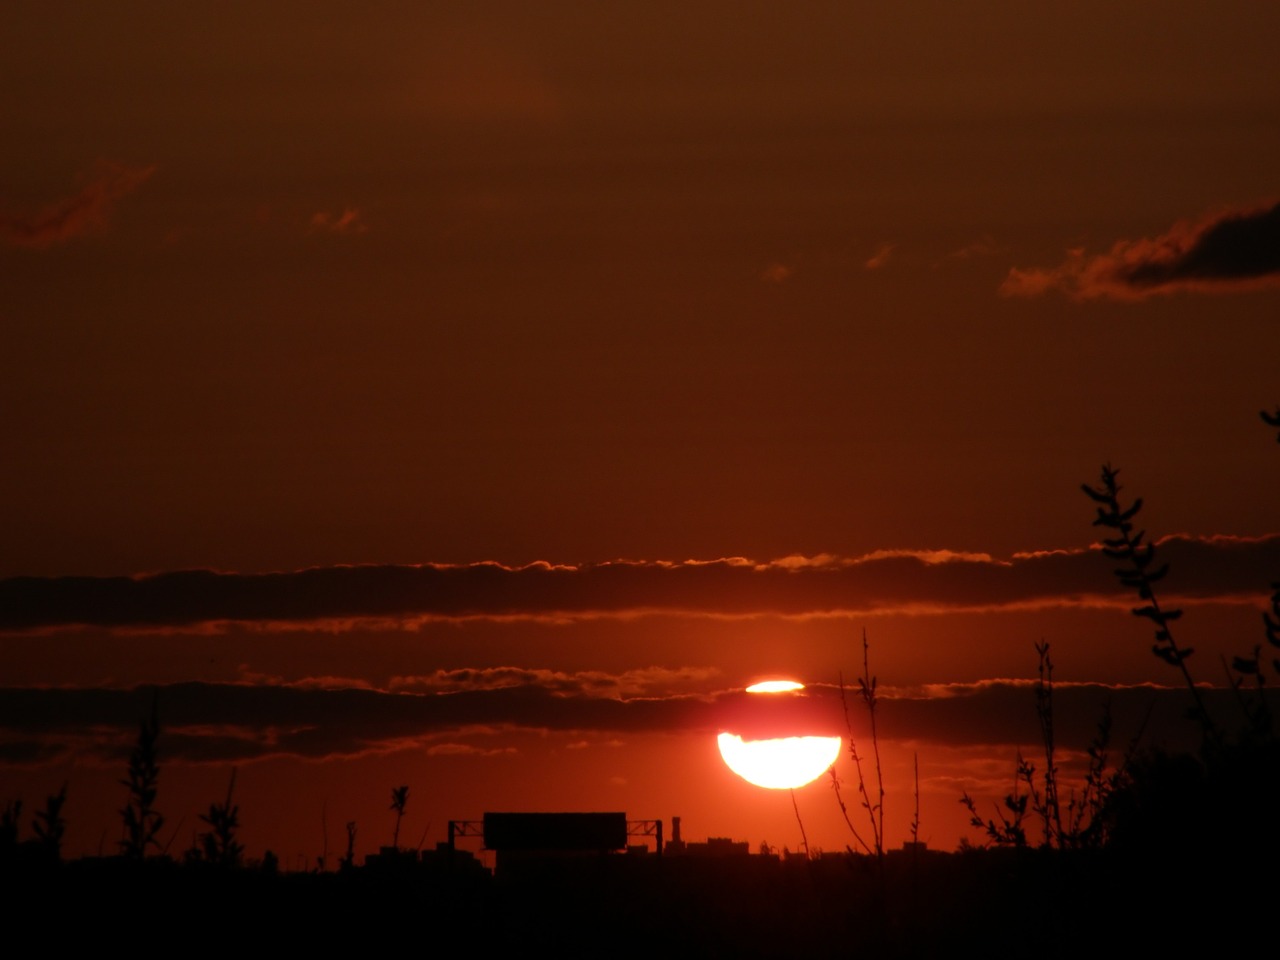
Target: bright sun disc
x,y
775,686
781,763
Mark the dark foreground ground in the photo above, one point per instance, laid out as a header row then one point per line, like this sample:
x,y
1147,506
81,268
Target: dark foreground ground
x,y
1005,903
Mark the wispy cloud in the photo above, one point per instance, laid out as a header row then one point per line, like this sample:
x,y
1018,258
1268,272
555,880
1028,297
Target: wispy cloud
x,y
777,273
84,212
1221,568
350,220
1228,251
467,750
985,246
883,254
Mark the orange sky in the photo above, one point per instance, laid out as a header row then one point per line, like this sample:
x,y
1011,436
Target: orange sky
x,y
383,294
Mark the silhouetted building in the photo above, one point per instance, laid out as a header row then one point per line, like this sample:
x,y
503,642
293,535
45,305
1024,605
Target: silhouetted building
x,y
675,846
713,847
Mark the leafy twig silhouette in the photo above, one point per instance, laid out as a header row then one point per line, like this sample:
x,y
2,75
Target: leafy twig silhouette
x,y
1130,547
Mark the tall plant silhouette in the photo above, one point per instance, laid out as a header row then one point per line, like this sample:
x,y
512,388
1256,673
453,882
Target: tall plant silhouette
x,y
1086,820
874,805
50,826
399,797
220,844
142,822
348,860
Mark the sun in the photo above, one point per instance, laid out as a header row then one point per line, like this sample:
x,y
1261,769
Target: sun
x,y
775,686
779,763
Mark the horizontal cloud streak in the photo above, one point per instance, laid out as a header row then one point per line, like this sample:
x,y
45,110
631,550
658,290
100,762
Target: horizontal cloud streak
x,y
231,723
1204,568
1238,249
630,683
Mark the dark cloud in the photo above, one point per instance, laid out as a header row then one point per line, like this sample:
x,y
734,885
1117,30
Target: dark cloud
x,y
84,212
1003,712
629,683
1217,567
205,722
231,723
1237,249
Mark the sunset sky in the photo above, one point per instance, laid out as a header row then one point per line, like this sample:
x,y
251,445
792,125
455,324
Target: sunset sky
x,y
475,396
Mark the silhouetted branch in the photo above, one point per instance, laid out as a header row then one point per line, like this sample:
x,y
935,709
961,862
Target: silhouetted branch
x,y
1130,547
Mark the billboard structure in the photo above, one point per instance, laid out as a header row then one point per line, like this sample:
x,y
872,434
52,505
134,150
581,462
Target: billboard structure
x,y
519,836
561,832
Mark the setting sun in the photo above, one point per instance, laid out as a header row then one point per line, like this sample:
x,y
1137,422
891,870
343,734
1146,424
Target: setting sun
x,y
778,763
775,686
